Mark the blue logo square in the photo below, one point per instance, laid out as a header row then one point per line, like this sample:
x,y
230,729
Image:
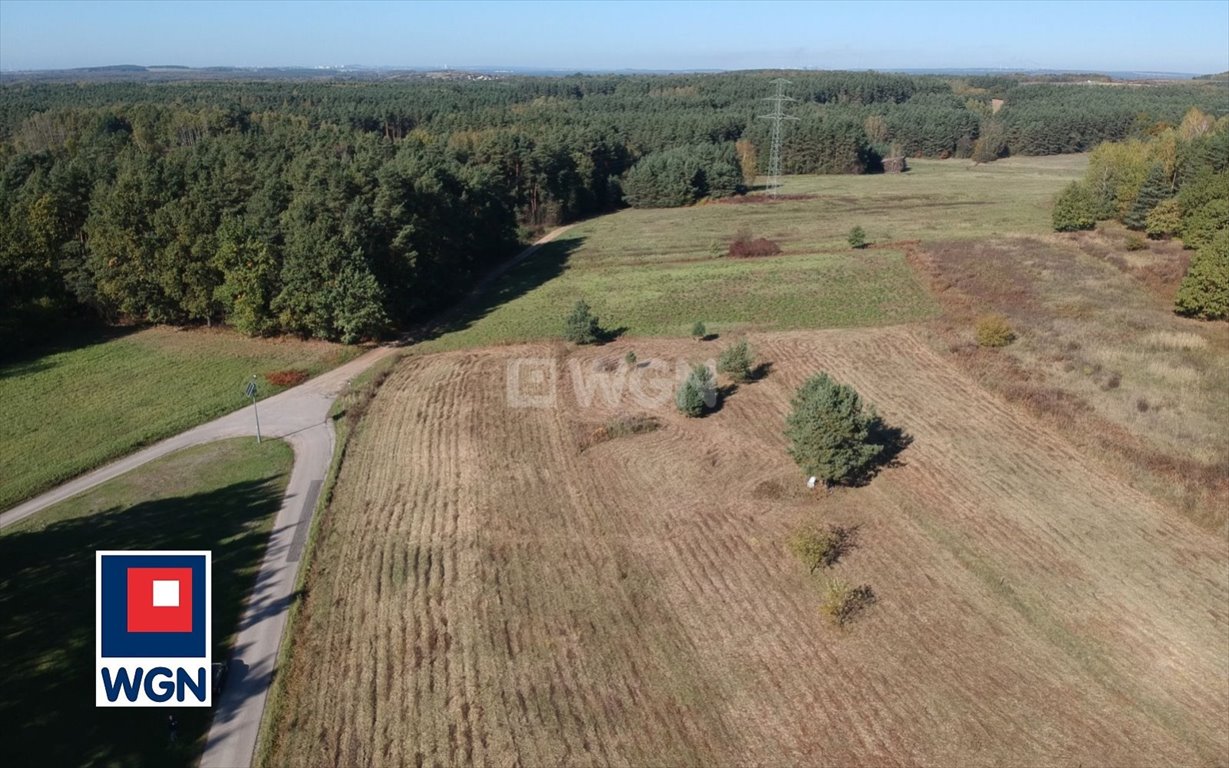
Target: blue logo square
x,y
117,641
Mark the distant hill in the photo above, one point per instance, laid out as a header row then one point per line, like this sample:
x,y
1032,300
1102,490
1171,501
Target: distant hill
x,y
167,72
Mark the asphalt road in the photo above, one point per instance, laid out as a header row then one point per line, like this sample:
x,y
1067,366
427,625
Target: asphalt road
x,y
300,416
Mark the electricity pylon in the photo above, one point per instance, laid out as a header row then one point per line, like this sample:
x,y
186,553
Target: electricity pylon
x,y
777,117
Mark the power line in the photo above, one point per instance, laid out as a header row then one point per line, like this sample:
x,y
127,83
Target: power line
x,y
778,117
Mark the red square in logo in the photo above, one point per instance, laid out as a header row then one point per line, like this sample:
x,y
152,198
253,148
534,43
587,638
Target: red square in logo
x,y
159,599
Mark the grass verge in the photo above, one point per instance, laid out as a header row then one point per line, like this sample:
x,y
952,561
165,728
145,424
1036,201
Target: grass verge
x,y
223,497
73,409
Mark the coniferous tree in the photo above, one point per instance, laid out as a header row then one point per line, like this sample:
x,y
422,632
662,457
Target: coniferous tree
x,y
1154,190
831,433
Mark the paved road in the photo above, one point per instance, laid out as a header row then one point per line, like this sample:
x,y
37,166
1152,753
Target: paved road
x,y
300,416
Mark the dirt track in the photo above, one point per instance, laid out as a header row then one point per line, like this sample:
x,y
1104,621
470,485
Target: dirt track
x,y
485,592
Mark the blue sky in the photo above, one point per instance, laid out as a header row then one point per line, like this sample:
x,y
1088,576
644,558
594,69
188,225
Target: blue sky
x,y
1162,35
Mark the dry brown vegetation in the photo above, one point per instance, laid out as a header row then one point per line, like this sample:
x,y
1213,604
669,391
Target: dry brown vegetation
x,y
484,592
1100,355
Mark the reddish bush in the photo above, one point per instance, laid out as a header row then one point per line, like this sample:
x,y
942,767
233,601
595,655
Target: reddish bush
x,y
745,247
287,378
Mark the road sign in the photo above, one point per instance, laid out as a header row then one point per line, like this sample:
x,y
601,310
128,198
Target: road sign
x,y
250,391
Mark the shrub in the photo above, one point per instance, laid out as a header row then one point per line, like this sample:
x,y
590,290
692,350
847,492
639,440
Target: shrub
x,y
842,602
697,393
830,433
821,548
582,326
630,358
1135,243
1201,225
1165,220
744,246
857,237
1204,292
994,331
698,330
1075,209
736,361
621,426
290,377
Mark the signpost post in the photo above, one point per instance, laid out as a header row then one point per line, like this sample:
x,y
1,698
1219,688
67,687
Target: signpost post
x,y
250,391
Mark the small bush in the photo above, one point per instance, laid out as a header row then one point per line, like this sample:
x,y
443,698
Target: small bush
x,y
1136,243
857,237
621,426
1142,405
744,246
822,548
1113,382
698,330
843,603
630,359
291,377
994,331
698,393
736,361
637,424
581,327
1165,220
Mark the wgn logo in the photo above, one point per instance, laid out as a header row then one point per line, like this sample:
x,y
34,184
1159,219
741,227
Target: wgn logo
x,y
152,629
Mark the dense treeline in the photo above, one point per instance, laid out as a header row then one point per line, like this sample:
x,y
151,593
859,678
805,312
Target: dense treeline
x,y
1173,184
341,210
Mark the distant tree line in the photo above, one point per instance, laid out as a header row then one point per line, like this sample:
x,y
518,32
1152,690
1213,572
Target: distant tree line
x,y
343,210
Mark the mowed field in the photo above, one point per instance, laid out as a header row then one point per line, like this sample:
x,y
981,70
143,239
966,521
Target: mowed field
x,y
485,590
655,272
69,410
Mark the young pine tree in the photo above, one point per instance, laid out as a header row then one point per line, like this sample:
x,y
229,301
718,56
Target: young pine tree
x,y
831,434
581,327
698,392
736,361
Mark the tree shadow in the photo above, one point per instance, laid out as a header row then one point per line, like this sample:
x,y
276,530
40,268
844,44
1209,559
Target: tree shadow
x,y
710,337
760,371
47,624
894,440
523,274
844,541
607,335
22,359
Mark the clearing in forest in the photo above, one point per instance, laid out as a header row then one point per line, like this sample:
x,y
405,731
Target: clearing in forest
x,y
655,272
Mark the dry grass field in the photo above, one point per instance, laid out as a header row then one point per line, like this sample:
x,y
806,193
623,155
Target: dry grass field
x,y
1100,354
487,590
